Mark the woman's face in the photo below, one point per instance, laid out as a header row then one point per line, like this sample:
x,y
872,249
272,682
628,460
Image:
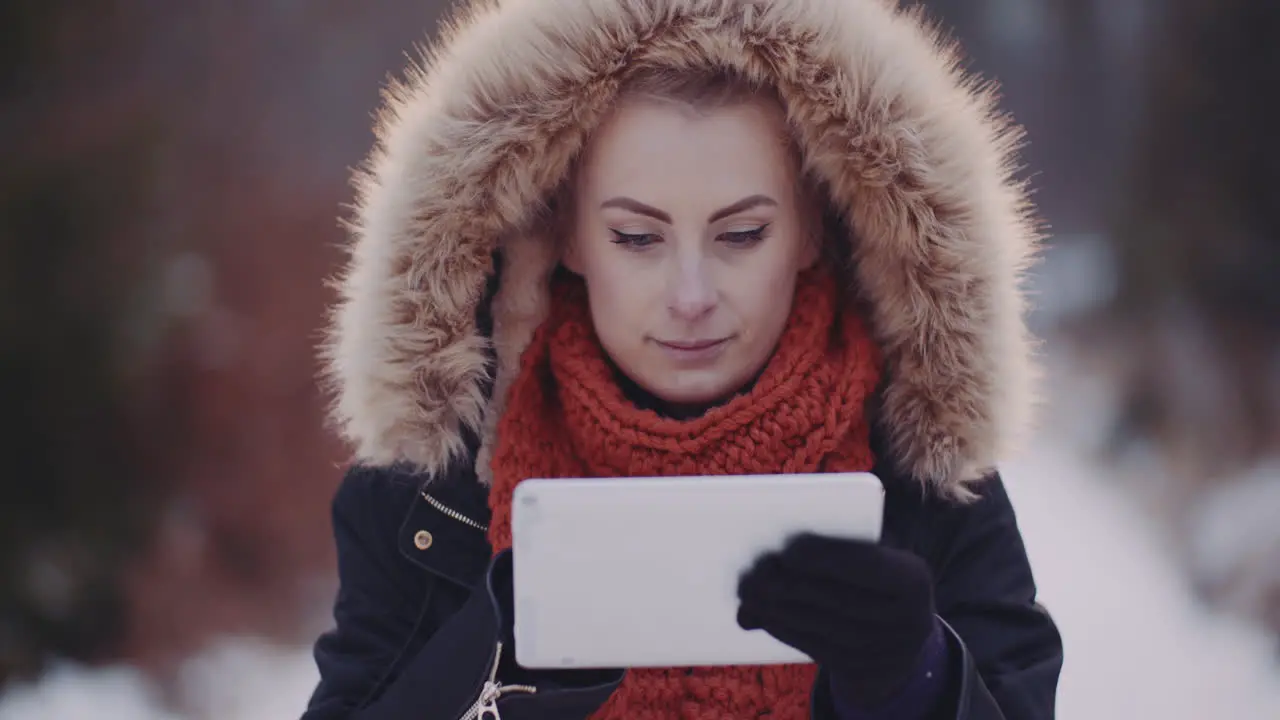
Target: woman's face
x,y
690,232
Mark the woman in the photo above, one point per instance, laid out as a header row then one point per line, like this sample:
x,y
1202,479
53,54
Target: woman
x,y
633,237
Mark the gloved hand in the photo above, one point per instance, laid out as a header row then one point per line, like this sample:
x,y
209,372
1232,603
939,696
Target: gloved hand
x,y
860,610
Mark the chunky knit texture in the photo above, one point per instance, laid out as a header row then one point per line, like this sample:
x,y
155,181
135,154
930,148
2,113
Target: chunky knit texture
x,y
568,417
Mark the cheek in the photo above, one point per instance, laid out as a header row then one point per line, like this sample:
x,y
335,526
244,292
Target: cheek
x,y
619,326
764,302
620,303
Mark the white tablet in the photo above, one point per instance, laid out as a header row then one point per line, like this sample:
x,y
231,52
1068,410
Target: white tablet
x,y
643,572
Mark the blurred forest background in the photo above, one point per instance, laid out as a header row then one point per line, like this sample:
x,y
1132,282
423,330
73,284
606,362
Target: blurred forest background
x,y
171,178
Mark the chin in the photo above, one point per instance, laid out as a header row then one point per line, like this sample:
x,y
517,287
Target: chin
x,y
686,397
696,391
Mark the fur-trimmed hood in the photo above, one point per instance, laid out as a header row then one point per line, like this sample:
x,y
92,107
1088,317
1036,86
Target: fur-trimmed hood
x,y
470,145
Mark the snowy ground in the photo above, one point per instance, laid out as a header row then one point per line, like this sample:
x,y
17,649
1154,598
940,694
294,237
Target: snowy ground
x,y
1137,645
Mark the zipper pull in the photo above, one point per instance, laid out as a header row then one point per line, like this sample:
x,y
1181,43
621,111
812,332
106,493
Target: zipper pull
x,y
488,702
486,706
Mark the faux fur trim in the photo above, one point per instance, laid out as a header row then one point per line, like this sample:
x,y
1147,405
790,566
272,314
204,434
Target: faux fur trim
x,y
471,144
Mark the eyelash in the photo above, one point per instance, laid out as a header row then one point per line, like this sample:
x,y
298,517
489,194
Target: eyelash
x,y
741,238
633,241
745,238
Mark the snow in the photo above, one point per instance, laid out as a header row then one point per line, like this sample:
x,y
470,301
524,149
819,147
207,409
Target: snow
x,y
1235,540
71,692
1137,644
233,679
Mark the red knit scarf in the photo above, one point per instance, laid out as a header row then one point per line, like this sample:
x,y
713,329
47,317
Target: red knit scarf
x,y
567,417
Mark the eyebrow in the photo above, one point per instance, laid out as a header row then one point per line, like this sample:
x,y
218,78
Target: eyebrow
x,y
635,206
745,203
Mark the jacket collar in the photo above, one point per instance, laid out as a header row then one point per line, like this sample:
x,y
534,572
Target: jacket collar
x,y
445,529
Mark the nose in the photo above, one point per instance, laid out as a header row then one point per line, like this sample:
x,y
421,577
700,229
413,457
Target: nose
x,y
692,294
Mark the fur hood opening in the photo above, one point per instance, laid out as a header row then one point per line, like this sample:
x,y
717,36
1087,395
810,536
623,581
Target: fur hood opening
x,y
470,145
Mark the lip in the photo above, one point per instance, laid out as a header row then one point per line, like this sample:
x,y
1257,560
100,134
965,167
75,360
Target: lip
x,y
693,350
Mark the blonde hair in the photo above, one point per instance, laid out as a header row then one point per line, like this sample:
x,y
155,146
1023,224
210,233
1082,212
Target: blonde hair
x,y
700,89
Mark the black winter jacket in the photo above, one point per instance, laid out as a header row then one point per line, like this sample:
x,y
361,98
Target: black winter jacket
x,y
422,608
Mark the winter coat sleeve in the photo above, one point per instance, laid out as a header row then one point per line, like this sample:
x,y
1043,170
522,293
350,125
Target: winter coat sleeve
x,y
919,698
1008,648
1004,651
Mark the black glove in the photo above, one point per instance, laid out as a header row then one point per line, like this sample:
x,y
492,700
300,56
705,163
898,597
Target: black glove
x,y
862,611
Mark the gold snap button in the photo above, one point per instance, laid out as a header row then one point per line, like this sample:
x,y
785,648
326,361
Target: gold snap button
x,y
422,539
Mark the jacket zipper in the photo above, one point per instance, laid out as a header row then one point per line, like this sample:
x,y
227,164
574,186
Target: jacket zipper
x,y
451,513
486,706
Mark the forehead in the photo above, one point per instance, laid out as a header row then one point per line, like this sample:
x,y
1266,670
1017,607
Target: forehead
x,y
666,149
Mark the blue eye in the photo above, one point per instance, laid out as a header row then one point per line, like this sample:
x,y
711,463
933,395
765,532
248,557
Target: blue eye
x,y
744,238
634,240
